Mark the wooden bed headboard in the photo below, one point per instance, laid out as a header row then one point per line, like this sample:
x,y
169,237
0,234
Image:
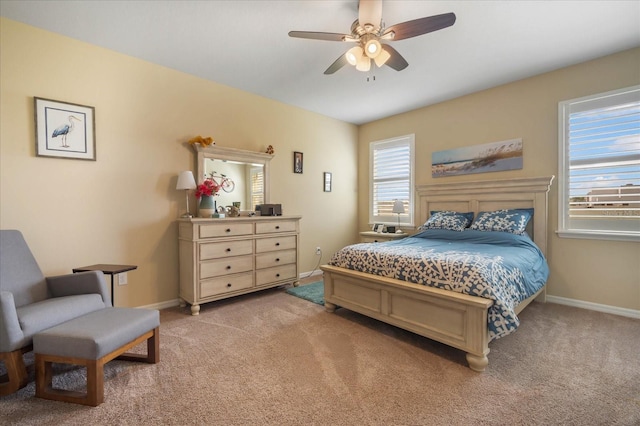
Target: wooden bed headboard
x,y
489,195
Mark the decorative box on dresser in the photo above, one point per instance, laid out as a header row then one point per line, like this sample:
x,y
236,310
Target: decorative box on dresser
x,y
221,258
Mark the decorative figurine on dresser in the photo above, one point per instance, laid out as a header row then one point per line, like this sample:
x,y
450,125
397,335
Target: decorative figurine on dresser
x,y
230,256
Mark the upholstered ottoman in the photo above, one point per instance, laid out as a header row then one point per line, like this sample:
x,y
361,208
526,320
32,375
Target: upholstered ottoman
x,y
91,341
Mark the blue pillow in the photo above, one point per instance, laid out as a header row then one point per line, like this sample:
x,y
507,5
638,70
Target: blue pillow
x,y
513,221
453,221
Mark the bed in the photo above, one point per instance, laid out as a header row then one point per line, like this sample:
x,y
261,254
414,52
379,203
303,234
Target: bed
x,y
450,317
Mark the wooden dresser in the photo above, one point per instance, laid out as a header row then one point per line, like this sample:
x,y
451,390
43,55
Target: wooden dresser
x,y
222,258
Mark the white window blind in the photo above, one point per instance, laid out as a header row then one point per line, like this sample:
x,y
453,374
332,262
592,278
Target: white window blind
x,y
600,163
391,178
257,187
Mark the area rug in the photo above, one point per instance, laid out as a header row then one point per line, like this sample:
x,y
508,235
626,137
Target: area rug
x,y
313,292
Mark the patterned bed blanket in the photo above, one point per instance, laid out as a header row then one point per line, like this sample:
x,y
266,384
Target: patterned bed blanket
x,y
503,267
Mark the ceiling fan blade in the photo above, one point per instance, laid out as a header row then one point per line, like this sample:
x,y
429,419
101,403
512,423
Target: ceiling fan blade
x,y
396,61
420,26
370,12
318,36
339,63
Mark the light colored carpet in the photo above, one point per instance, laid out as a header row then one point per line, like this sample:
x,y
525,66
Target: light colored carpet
x,y
269,358
313,292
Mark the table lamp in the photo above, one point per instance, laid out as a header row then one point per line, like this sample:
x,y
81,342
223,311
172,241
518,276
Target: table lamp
x,y
398,207
186,182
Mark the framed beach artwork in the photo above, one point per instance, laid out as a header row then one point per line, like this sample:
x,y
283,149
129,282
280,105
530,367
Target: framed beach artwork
x,y
64,130
491,157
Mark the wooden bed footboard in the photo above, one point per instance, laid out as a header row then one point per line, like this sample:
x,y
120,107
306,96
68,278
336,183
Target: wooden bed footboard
x,y
455,319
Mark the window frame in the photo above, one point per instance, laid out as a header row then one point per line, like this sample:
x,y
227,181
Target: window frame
x,y
602,229
406,219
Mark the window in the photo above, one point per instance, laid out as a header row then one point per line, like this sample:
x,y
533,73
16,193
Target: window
x,y
391,178
257,187
599,166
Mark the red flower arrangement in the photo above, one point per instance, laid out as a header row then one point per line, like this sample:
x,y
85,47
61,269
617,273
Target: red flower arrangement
x,y
207,187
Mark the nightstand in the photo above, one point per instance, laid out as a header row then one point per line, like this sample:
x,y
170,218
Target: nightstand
x,y
378,237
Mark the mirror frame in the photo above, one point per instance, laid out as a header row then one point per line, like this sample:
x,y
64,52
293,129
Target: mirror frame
x,y
216,152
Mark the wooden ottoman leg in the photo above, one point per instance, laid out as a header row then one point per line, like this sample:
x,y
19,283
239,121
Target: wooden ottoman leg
x,y
16,377
43,376
94,394
95,383
153,348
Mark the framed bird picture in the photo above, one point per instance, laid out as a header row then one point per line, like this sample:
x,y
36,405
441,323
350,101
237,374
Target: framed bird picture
x,y
64,130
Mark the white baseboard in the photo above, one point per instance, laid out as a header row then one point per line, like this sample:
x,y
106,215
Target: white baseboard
x,y
162,305
631,313
176,302
309,274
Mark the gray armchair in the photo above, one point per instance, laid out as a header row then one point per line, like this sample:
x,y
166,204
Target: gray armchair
x,y
30,303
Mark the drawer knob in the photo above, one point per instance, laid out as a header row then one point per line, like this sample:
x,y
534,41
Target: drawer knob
x,y
228,284
277,227
277,259
277,244
228,250
228,267
277,275
228,230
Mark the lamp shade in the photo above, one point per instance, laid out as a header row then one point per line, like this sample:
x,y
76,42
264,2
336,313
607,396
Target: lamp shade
x,y
186,180
398,206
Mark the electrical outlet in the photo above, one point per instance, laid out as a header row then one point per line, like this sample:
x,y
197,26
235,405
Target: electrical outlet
x,y
122,278
318,251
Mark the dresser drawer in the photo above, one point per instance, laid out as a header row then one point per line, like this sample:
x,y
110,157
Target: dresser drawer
x,y
226,284
229,229
275,243
225,249
269,275
231,265
276,226
275,258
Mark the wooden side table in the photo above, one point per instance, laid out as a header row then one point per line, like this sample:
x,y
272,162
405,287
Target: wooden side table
x,y
378,237
109,270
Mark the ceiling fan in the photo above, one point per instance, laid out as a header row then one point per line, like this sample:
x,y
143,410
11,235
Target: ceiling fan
x,y
368,32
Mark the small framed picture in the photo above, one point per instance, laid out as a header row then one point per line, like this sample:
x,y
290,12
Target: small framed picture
x,y
297,162
327,182
64,130
379,228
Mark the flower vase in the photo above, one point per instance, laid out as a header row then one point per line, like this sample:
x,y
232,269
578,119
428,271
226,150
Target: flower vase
x,y
207,207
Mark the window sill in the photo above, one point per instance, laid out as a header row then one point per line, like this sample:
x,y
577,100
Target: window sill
x,y
600,235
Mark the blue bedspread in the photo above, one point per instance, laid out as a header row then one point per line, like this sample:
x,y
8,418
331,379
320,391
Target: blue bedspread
x,y
503,267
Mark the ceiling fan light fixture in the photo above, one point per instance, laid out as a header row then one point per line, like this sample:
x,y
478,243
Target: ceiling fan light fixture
x,y
382,58
364,64
354,55
372,48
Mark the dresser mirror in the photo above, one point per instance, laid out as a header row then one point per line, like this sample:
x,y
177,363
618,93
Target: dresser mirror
x,y
243,175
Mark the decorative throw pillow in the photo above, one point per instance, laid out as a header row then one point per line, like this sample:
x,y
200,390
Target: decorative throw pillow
x,y
512,221
454,221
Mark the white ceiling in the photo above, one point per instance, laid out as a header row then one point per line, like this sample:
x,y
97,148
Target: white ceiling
x,y
244,44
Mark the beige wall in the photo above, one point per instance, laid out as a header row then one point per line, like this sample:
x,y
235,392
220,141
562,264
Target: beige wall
x,y
122,208
596,271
